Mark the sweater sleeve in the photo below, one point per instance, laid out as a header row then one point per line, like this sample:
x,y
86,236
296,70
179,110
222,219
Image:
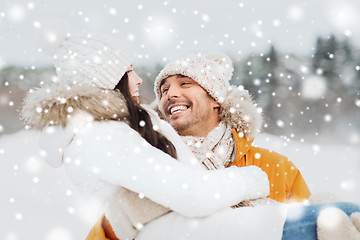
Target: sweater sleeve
x,y
116,154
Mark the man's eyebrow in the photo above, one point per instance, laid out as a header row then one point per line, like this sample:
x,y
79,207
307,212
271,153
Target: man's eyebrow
x,y
177,76
162,82
181,76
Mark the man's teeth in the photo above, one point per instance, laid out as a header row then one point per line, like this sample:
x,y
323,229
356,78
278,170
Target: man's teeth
x,y
178,108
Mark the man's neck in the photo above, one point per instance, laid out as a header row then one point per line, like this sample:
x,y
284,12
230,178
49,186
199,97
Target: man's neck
x,y
196,132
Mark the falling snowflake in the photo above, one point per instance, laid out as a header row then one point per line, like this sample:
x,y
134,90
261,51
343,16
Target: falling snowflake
x,y
36,180
33,165
343,15
37,24
327,118
31,5
296,13
142,123
131,37
59,233
112,11
315,148
11,236
71,210
357,103
19,216
280,123
313,87
276,23
348,185
205,18
16,13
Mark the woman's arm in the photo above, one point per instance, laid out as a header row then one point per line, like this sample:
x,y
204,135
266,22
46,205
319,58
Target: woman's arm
x,y
117,154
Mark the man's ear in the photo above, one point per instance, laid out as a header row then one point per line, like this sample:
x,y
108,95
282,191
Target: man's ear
x,y
216,104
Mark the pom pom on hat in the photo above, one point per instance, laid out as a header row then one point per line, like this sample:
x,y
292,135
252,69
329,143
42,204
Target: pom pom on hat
x,y
225,65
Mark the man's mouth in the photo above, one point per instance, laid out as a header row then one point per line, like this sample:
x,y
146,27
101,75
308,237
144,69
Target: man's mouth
x,y
177,109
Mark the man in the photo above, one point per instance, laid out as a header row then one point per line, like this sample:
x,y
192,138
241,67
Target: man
x,y
220,131
219,121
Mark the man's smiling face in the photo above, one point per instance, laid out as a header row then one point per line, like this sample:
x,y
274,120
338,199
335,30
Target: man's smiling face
x,y
187,106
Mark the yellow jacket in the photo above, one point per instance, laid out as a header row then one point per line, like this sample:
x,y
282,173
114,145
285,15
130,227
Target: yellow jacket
x,y
102,230
286,181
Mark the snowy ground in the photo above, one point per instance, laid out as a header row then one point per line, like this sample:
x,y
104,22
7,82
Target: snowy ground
x,y
38,202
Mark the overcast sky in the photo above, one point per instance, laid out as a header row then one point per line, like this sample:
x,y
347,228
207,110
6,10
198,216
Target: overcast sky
x,y
161,30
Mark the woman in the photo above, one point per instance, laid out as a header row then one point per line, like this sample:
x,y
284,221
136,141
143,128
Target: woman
x,y
119,155
132,165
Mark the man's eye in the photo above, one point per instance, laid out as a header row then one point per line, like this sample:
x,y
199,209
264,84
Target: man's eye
x,y
185,83
164,90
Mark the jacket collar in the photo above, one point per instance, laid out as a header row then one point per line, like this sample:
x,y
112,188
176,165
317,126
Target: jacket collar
x,y
242,144
240,112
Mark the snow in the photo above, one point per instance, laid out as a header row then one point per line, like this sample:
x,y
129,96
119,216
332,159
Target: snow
x,y
314,87
39,202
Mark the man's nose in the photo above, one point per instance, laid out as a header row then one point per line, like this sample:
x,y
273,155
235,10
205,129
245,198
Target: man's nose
x,y
173,92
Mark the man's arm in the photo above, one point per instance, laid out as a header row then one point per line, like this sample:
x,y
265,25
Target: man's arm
x,y
299,190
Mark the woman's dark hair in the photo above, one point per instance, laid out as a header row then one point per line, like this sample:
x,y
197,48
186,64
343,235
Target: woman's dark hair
x,y
138,114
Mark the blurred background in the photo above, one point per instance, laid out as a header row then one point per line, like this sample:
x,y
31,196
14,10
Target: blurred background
x,y
299,59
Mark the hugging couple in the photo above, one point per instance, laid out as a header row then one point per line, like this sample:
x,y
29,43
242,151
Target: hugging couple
x,y
182,168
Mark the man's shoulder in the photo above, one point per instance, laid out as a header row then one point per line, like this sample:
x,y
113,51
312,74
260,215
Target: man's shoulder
x,y
273,163
266,153
270,157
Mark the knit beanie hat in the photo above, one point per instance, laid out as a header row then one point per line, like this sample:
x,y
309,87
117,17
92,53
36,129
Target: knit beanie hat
x,y
93,59
212,72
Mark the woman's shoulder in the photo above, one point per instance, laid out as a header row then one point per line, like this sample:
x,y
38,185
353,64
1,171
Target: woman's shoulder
x,y
97,140
105,128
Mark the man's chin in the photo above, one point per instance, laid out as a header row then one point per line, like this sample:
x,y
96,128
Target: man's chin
x,y
179,126
175,124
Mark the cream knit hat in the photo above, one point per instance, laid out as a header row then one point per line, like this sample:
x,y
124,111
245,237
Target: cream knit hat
x,y
92,59
212,72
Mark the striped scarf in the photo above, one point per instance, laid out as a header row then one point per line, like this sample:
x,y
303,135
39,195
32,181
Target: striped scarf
x,y
215,150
